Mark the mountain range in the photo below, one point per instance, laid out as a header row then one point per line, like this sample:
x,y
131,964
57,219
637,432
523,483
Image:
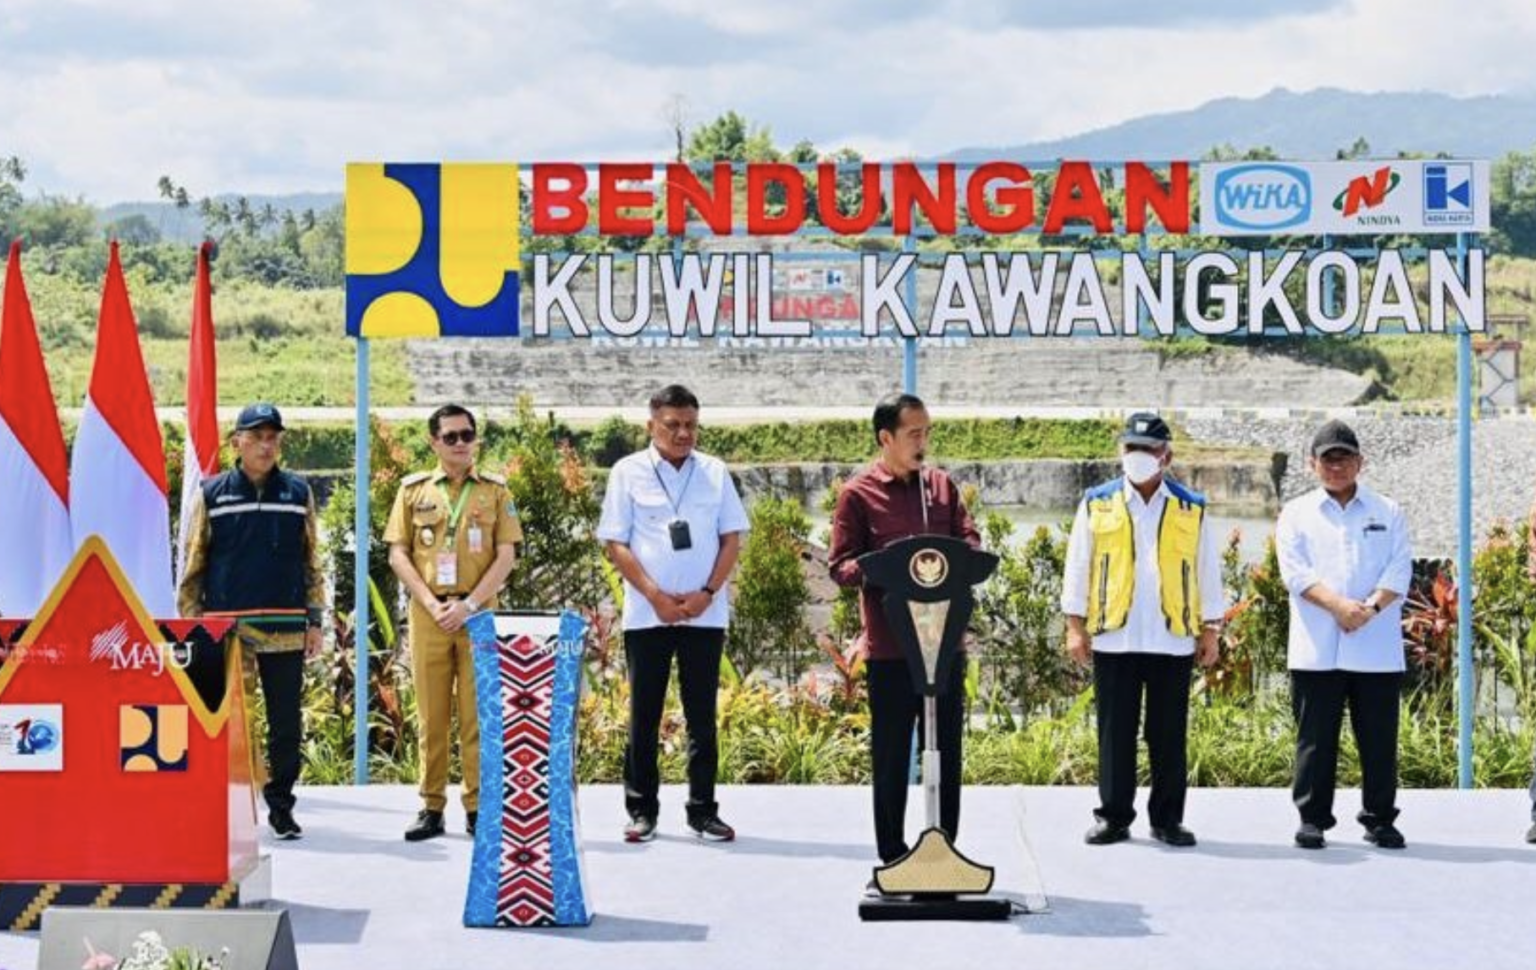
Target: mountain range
x,y
1300,125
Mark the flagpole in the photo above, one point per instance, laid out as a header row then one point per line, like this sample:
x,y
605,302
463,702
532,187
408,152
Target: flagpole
x,y
362,540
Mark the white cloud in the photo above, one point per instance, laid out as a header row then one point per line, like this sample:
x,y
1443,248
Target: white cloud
x,y
102,97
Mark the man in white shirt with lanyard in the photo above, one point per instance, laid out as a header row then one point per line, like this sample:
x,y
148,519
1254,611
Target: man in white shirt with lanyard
x,y
672,524
1345,558
1143,600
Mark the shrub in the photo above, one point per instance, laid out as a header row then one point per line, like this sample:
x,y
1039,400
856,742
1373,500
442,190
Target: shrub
x,y
1258,619
1019,627
768,627
264,326
560,562
611,440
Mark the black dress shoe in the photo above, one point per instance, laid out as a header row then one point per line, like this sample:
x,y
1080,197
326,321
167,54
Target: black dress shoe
x,y
1175,835
1385,836
428,825
283,825
1310,836
470,819
712,829
1107,833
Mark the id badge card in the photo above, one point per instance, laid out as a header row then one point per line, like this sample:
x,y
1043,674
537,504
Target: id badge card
x,y
447,569
677,531
476,539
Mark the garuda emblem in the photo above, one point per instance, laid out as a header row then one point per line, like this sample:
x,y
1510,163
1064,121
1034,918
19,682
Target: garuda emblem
x,y
929,568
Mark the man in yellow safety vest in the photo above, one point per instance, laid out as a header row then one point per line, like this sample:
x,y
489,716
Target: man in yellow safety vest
x,y
1143,599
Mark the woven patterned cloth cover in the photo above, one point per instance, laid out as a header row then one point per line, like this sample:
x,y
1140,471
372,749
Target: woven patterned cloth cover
x,y
527,866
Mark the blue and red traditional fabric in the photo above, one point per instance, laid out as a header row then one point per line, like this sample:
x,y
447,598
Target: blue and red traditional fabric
x,y
527,870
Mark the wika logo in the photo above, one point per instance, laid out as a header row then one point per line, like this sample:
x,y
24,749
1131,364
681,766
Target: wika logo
x,y
1369,192
1263,196
113,646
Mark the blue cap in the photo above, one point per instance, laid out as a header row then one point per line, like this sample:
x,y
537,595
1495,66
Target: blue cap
x,y
260,415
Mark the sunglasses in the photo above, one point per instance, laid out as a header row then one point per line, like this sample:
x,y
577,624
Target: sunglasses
x,y
451,438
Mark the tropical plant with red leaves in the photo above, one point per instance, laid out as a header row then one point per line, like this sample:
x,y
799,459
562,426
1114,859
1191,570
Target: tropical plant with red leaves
x,y
1429,634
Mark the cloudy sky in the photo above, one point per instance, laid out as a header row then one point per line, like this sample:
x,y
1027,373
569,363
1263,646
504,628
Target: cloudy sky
x,y
102,97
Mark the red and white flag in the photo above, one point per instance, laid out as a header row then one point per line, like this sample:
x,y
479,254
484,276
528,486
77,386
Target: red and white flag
x,y
34,468
202,452
117,480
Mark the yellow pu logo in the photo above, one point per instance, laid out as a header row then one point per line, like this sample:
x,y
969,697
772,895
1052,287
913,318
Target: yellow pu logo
x,y
153,737
432,250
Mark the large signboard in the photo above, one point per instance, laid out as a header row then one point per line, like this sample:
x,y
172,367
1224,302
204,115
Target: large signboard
x,y
1343,198
437,250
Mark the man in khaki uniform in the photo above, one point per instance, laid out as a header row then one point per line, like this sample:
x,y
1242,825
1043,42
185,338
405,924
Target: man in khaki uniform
x,y
451,536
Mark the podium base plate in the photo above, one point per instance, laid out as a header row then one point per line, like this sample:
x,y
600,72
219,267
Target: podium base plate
x,y
894,908
22,903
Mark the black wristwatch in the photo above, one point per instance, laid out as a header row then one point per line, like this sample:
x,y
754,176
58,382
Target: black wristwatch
x,y
709,589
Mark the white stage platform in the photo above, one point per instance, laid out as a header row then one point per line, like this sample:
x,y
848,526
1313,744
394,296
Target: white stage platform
x,y
786,893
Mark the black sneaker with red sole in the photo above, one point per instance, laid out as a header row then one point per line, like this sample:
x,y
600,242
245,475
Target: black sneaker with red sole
x,y
641,828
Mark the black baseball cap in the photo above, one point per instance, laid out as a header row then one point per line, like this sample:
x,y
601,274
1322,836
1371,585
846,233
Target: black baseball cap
x,y
1335,436
1146,428
260,415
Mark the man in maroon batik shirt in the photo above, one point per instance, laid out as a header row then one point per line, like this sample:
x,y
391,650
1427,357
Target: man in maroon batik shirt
x,y
896,497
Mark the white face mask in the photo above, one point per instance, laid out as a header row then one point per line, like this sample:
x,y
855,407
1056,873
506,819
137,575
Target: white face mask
x,y
1140,466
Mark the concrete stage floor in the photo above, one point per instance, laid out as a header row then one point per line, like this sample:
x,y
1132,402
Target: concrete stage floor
x,y
785,894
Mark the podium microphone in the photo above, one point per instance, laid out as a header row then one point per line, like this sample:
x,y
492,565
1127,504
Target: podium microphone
x,y
922,491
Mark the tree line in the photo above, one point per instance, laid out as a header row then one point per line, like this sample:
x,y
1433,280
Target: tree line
x,y
303,249
299,250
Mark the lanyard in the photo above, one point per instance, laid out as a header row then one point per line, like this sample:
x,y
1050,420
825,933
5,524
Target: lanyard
x,y
457,510
677,505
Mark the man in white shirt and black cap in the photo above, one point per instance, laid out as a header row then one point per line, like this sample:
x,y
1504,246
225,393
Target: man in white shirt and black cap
x,y
1143,599
1345,558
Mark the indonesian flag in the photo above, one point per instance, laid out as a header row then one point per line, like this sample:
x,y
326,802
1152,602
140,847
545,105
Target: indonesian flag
x,y
202,453
117,470
34,470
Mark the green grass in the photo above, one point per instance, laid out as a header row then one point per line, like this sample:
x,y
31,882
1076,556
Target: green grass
x,y
296,371
957,440
277,344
